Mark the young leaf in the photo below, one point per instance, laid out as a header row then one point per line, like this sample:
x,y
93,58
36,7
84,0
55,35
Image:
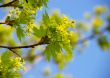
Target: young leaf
x,y
39,32
48,52
20,33
45,18
5,57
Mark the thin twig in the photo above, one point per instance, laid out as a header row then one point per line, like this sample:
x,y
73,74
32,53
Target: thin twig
x,y
85,39
16,54
90,37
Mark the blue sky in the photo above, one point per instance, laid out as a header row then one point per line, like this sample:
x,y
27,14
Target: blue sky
x,y
93,62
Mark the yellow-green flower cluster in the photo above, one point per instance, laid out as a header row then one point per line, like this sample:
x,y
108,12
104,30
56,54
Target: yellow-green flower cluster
x,y
21,16
58,30
62,59
30,26
59,76
16,63
100,10
34,3
97,22
9,67
61,32
67,23
74,37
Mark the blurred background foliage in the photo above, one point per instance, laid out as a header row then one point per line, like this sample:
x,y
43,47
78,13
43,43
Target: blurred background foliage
x,y
20,28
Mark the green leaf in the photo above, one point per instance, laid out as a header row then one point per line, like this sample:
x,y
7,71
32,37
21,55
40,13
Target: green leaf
x,y
103,43
45,18
20,33
5,58
108,18
108,28
67,47
1,0
39,32
48,52
45,3
51,50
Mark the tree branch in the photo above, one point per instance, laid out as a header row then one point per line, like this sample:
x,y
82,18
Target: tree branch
x,y
10,4
42,41
91,36
18,47
8,22
3,23
16,54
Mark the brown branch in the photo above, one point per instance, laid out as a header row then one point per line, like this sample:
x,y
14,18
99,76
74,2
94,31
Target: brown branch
x,y
91,36
3,23
42,41
10,4
85,39
18,47
7,23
